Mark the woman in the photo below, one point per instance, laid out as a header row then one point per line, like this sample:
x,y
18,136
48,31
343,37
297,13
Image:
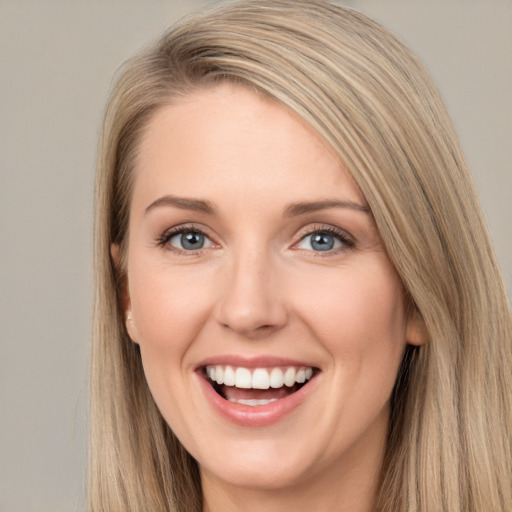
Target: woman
x,y
297,304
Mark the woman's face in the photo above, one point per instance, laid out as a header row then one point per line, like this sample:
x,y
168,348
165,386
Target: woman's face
x,y
253,261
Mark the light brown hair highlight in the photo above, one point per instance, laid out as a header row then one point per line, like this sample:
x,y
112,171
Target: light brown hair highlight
x,y
364,92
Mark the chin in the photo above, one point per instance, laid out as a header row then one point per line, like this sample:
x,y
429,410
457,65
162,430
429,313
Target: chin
x,y
257,473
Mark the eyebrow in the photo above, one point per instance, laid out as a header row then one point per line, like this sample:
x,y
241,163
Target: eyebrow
x,y
307,207
293,210
184,203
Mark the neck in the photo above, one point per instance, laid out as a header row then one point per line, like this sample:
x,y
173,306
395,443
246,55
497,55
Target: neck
x,y
339,498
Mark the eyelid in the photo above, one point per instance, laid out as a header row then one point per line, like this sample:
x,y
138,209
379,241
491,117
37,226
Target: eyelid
x,y
164,239
347,240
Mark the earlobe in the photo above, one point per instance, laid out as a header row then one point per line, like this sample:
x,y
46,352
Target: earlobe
x,y
130,327
121,279
416,330
115,254
123,291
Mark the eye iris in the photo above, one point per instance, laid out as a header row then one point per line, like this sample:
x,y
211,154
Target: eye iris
x,y
322,242
192,240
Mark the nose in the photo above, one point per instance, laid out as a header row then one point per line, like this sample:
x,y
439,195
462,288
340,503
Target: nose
x,y
252,304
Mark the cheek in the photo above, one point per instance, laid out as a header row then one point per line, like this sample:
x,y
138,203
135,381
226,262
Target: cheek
x,y
350,303
169,308
168,305
359,317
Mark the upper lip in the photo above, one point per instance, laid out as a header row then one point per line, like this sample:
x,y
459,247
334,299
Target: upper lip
x,y
263,361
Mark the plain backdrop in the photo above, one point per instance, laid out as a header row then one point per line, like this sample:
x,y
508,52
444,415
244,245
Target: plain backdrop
x,y
56,63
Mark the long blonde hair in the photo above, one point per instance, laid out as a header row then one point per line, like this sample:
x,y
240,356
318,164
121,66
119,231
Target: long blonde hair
x,y
449,446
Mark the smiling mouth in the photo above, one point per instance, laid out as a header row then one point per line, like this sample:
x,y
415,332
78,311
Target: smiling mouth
x,y
257,386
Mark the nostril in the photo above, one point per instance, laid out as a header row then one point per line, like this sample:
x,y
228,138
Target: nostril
x,y
247,325
251,332
250,303
267,327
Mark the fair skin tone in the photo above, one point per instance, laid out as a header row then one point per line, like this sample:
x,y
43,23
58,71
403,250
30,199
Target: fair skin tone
x,y
251,247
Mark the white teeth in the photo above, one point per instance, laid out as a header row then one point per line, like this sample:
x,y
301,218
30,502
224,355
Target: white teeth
x,y
243,378
229,376
259,378
252,402
289,377
276,378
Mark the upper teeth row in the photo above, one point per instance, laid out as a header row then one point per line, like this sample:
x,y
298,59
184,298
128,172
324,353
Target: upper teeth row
x,y
258,378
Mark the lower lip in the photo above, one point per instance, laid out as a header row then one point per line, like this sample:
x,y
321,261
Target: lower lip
x,y
260,415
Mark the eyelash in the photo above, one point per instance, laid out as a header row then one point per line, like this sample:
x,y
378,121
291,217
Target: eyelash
x,y
165,238
346,241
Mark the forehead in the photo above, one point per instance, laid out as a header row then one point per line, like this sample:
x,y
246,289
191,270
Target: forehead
x,y
227,135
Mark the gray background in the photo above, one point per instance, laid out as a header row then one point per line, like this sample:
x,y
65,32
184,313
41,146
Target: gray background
x,y
56,63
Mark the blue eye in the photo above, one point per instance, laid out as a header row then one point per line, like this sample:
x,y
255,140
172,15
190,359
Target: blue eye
x,y
189,240
323,241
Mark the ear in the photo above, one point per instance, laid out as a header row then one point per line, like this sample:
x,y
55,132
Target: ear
x,y
416,331
124,292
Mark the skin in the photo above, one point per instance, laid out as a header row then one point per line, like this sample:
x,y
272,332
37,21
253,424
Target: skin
x,y
258,288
